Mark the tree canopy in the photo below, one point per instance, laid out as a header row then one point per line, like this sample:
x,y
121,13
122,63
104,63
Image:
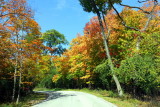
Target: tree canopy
x,y
54,40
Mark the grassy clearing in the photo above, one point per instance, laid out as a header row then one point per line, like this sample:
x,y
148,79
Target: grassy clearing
x,y
27,101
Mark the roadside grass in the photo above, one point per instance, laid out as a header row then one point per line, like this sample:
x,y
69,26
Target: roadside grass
x,y
46,89
126,101
27,101
110,96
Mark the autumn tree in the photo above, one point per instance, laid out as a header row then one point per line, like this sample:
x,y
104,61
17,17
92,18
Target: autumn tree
x,y
99,7
79,61
84,64
21,31
140,62
150,11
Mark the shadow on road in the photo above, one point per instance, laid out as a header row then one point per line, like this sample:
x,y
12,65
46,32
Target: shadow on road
x,y
54,95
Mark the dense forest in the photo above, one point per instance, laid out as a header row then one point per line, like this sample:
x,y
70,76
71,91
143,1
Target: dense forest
x,y
118,50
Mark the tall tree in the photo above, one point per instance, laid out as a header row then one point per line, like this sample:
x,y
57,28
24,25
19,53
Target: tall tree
x,y
54,41
16,17
99,7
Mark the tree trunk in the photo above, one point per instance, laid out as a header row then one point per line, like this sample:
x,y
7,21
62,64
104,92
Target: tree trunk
x,y
14,84
20,80
20,77
120,92
15,69
138,43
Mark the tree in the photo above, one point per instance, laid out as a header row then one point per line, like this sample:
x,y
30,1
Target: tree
x,y
138,27
16,21
54,41
78,62
150,10
99,7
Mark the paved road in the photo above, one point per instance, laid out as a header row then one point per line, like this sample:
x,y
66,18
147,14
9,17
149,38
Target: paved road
x,y
73,99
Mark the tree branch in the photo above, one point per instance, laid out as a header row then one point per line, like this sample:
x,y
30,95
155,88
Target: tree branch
x,y
135,7
6,14
147,23
5,22
122,21
142,1
150,17
146,1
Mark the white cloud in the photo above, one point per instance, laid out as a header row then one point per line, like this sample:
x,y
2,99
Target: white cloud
x,y
61,4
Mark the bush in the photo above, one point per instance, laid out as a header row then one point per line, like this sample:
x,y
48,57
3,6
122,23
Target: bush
x,y
103,75
139,74
47,82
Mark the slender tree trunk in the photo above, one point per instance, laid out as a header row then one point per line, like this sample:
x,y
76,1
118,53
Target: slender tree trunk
x,y
14,84
21,65
15,70
120,92
138,43
20,78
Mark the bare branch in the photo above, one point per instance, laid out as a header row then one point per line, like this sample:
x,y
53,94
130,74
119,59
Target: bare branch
x,y
135,7
147,1
142,1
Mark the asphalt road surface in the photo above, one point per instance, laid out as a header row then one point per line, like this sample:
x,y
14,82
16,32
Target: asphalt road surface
x,y
73,99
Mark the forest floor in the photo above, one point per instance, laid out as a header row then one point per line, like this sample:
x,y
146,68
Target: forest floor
x,y
27,101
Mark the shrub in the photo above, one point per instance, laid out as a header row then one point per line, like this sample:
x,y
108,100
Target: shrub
x,y
139,74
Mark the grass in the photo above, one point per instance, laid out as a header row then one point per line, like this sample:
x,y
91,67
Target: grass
x,y
46,89
125,101
27,101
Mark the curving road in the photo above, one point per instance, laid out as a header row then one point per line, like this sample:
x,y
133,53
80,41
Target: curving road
x,y
73,99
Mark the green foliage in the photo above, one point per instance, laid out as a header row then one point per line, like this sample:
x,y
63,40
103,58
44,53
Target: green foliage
x,y
104,74
46,82
102,5
104,67
140,71
150,44
54,40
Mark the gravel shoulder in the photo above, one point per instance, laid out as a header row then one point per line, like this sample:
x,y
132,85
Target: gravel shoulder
x,y
72,99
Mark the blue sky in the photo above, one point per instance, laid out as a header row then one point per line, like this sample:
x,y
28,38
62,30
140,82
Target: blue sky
x,y
65,16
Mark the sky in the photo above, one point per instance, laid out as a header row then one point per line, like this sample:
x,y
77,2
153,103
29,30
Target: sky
x,y
65,16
